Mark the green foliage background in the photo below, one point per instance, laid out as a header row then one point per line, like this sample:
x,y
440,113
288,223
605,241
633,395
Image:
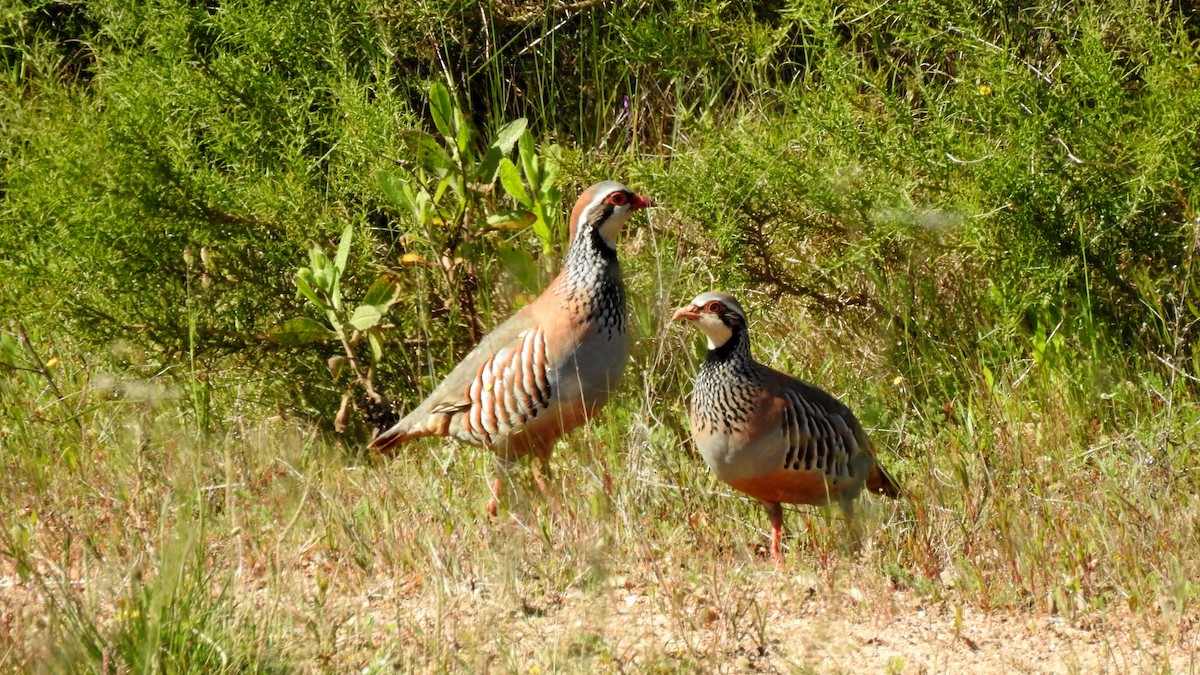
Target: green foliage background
x,y
165,165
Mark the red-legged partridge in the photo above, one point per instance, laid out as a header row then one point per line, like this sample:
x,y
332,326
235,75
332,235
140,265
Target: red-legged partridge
x,y
551,366
767,434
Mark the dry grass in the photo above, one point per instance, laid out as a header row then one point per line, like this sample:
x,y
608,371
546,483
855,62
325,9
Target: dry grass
x,y
1034,540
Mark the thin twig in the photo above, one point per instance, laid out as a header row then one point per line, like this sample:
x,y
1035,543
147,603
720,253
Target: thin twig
x,y
1175,369
956,160
41,367
1070,155
20,368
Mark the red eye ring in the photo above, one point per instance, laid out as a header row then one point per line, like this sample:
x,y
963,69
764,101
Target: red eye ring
x,y
618,199
714,307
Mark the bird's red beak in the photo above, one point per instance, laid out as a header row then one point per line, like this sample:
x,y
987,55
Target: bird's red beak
x,y
690,313
639,202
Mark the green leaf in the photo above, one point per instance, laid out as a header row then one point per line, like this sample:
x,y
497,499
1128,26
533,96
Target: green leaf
x,y
550,208
336,365
521,265
507,135
424,208
324,274
441,188
529,163
542,229
486,173
317,260
343,252
397,191
551,211
339,264
365,316
464,132
428,152
299,331
306,284
375,338
502,145
549,171
518,219
511,180
442,109
382,293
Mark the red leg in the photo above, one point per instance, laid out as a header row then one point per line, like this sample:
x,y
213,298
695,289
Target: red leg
x,y
495,502
540,478
542,475
775,511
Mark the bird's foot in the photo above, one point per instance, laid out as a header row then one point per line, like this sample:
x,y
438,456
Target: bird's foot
x,y
494,504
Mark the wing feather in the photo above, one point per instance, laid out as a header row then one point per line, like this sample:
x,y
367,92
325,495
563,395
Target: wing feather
x,y
509,389
820,432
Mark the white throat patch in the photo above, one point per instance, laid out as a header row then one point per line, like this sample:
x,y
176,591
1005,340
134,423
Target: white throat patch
x,y
717,334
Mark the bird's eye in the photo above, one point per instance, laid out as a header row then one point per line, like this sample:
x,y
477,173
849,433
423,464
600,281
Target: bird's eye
x,y
715,307
618,199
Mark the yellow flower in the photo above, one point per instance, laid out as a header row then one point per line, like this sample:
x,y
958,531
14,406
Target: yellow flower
x,y
985,90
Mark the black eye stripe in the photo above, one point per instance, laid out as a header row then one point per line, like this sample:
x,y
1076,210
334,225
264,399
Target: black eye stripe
x,y
604,214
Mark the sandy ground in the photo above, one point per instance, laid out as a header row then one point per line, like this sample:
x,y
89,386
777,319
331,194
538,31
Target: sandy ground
x,y
763,621
906,635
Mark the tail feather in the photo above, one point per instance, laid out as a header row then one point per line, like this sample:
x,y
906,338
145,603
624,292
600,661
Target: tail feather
x,y
389,438
416,424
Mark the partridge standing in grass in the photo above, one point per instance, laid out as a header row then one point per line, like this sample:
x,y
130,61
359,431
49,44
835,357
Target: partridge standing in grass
x,y
552,365
770,435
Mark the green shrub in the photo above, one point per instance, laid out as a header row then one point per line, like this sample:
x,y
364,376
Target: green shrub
x,y
957,185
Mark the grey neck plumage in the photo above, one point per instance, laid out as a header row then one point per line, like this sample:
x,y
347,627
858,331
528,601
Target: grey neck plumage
x,y
727,385
591,281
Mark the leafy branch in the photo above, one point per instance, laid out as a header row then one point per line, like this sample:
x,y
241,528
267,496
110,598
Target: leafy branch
x,y
320,284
